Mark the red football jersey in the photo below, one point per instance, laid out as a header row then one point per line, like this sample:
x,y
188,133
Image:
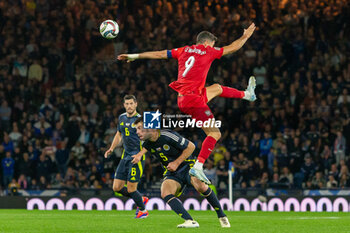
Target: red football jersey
x,y
194,63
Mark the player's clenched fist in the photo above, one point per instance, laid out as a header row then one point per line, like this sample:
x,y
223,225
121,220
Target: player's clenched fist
x,y
172,166
108,152
123,57
128,57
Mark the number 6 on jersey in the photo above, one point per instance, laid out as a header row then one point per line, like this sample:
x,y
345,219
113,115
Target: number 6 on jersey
x,y
189,63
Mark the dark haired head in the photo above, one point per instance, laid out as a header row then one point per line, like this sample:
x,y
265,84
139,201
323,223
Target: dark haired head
x,y
138,120
130,97
206,36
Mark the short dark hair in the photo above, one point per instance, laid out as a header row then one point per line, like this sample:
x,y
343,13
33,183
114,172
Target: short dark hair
x,y
206,36
138,120
130,97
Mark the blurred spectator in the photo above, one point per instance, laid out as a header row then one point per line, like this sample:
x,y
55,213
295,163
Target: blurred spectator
x,y
219,152
308,168
25,165
84,137
8,144
34,185
92,107
265,145
286,177
222,174
318,182
43,167
13,184
22,182
344,181
78,151
8,168
62,159
57,182
241,165
35,71
15,135
339,147
331,183
42,183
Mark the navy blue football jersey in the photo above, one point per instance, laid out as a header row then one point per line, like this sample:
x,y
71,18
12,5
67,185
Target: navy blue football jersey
x,y
131,142
168,147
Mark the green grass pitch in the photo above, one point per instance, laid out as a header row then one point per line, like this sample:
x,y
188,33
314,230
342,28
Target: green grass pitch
x,y
19,221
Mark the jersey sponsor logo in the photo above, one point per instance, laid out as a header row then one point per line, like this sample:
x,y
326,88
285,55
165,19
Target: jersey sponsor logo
x,y
166,147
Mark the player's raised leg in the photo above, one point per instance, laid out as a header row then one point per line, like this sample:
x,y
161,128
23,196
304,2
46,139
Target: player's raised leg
x,y
209,194
168,190
213,133
229,92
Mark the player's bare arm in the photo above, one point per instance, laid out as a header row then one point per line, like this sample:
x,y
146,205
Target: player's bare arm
x,y
116,140
237,44
146,55
185,154
137,157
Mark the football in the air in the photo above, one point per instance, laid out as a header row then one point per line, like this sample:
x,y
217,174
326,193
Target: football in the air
x,y
109,29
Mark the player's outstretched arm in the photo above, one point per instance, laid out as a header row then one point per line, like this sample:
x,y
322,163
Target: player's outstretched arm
x,y
116,140
185,154
237,44
146,55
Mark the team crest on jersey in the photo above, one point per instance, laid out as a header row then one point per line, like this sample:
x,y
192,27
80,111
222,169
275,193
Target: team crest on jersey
x,y
158,149
166,147
132,125
216,48
208,113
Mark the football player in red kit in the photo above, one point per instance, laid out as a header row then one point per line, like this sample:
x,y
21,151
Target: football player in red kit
x,y
193,66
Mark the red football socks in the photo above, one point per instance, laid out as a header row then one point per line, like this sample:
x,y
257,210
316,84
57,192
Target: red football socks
x,y
207,147
229,92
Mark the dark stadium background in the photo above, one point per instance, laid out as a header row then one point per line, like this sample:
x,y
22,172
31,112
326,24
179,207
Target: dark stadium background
x,y
61,91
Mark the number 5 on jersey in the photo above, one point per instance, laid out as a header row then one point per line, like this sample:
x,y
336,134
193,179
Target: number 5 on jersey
x,y
163,156
188,64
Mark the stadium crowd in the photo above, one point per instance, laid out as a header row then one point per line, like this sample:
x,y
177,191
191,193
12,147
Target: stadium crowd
x,y
61,89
